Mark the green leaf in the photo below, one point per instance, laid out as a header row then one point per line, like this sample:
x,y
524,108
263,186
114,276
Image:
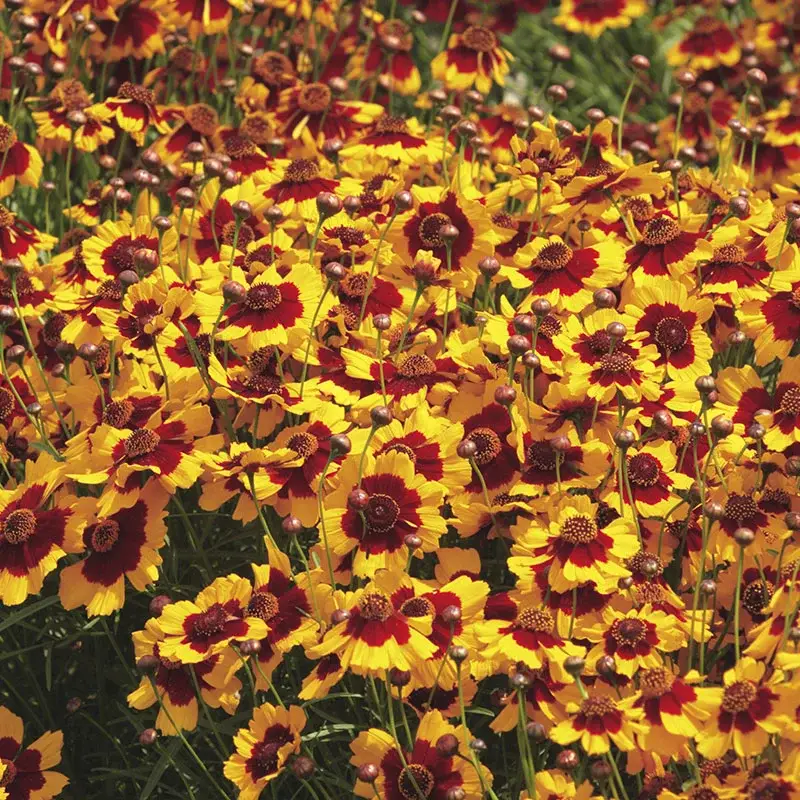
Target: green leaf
x,y
160,768
17,616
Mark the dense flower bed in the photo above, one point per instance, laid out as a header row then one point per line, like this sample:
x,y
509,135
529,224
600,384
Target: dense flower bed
x,y
400,402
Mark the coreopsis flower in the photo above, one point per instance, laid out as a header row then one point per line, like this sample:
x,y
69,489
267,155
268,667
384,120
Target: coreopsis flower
x,y
395,138
19,239
664,249
673,322
423,769
567,275
174,683
263,748
144,323
196,629
674,708
635,639
745,712
400,502
311,113
137,33
37,529
598,721
430,441
170,447
617,373
19,162
232,473
727,262
311,441
571,547
294,185
544,699
592,18
28,773
456,607
205,16
436,206
774,324
286,607
275,305
134,110
528,636
375,636
652,477
410,380
122,545
113,247
51,118
709,44
545,469
215,224
472,58
398,65
197,123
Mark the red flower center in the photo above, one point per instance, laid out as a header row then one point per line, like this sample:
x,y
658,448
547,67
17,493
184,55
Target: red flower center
x,y
263,297
416,365
640,208
381,513
417,607
738,696
660,231
349,237
628,631
643,470
790,402
430,230
7,137
488,444
375,607
740,507
391,124
9,774
539,620
655,682
616,363
598,707
304,444
245,236
210,622
265,755
415,778
756,595
579,530
476,37
132,91
354,286
399,447
541,456
105,535
263,385
19,526
263,605
238,147
261,255
110,290
671,334
6,402
141,442
314,98
7,218
202,118
599,343
553,256
549,327
301,170
728,254
118,413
